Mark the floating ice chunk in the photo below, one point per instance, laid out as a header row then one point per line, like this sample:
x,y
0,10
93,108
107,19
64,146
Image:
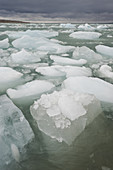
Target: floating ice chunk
x,y
24,57
67,31
4,43
63,115
32,33
15,131
41,44
86,27
87,54
109,36
105,71
50,71
85,35
100,88
9,78
102,27
75,71
68,25
67,61
105,50
30,90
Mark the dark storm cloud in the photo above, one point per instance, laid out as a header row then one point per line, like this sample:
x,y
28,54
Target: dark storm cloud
x,y
58,8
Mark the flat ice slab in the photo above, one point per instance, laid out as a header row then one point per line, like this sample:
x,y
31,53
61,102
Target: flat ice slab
x,y
100,88
105,50
30,91
85,35
24,57
87,54
14,130
9,78
63,115
67,61
4,43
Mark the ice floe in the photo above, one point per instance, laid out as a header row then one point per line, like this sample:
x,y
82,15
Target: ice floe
x,y
100,88
67,61
105,71
87,54
63,115
85,35
86,27
4,43
41,44
28,92
105,50
9,78
68,25
15,131
24,57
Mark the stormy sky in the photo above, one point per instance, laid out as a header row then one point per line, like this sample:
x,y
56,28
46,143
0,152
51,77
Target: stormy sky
x,y
74,9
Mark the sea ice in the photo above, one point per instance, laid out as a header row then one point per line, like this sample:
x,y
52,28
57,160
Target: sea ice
x,y
4,43
24,57
102,27
41,44
15,131
105,50
68,25
9,78
63,115
50,71
85,35
86,27
87,54
71,71
100,88
30,91
105,71
67,61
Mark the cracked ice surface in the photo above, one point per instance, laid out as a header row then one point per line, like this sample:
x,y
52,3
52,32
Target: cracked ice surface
x,y
63,115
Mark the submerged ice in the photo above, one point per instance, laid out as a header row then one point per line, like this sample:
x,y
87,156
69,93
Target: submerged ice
x,y
63,115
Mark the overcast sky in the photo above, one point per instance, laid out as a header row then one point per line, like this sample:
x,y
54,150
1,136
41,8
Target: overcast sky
x,y
75,9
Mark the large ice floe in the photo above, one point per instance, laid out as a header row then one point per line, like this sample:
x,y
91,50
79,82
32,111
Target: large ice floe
x,y
67,61
64,115
105,50
60,71
86,27
41,44
100,88
9,78
87,54
85,35
105,71
31,33
24,57
4,43
15,131
28,92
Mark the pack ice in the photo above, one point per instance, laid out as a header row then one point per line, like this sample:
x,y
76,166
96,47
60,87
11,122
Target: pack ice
x,y
14,130
24,57
105,50
63,115
30,91
4,43
85,35
100,88
41,44
87,54
68,25
9,78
